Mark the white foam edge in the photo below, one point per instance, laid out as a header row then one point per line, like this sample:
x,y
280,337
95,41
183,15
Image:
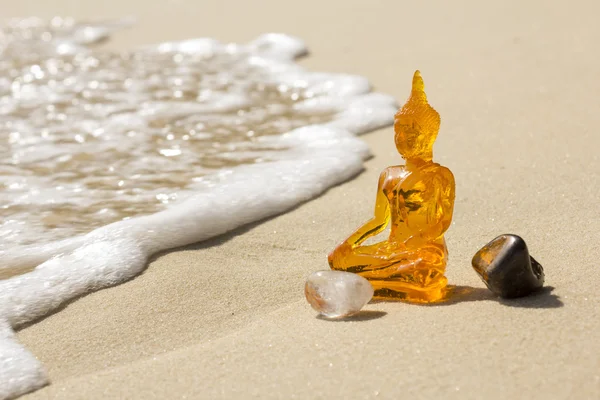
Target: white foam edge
x,y
317,158
20,371
83,34
274,46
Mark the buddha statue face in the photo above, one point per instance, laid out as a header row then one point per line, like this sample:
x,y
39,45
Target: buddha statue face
x,y
416,125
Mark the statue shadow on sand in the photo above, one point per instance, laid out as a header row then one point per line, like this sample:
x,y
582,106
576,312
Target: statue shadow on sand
x,y
543,298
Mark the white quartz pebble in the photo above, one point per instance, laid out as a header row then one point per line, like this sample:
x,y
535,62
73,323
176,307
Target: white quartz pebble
x,y
337,294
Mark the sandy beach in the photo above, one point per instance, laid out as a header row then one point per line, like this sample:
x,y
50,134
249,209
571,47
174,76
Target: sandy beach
x,y
516,84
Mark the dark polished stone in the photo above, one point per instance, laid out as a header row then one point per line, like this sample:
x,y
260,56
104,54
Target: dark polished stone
x,y
505,266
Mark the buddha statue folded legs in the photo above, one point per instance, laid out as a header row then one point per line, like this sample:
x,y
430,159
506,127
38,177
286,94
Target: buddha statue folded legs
x,y
406,274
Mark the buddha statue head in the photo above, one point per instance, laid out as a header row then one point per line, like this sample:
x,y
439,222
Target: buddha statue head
x,y
416,125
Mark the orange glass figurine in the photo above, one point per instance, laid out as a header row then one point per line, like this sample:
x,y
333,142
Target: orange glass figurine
x,y
418,200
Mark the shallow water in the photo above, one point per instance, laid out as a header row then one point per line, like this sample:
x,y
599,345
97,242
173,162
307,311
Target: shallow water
x,y
91,136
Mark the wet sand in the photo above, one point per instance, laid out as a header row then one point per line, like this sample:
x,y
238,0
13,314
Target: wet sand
x,y
517,87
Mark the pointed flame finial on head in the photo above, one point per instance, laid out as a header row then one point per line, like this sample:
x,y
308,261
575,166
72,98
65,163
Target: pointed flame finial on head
x,y
416,124
417,102
418,87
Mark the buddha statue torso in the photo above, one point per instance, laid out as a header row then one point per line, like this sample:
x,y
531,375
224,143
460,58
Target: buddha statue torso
x,y
419,200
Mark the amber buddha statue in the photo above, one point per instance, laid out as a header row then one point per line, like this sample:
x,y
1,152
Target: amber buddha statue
x,y
416,200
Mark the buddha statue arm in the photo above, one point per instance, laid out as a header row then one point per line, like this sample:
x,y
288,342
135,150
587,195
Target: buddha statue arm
x,y
380,219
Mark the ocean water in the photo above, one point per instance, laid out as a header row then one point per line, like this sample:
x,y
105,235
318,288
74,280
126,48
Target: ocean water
x,y
107,158
90,138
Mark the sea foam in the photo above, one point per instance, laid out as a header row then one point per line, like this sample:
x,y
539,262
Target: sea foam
x,y
303,141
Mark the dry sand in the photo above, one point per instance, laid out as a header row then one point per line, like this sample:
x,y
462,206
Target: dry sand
x,y
517,85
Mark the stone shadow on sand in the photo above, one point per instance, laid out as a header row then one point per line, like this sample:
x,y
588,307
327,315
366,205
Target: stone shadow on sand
x,y
543,298
363,315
